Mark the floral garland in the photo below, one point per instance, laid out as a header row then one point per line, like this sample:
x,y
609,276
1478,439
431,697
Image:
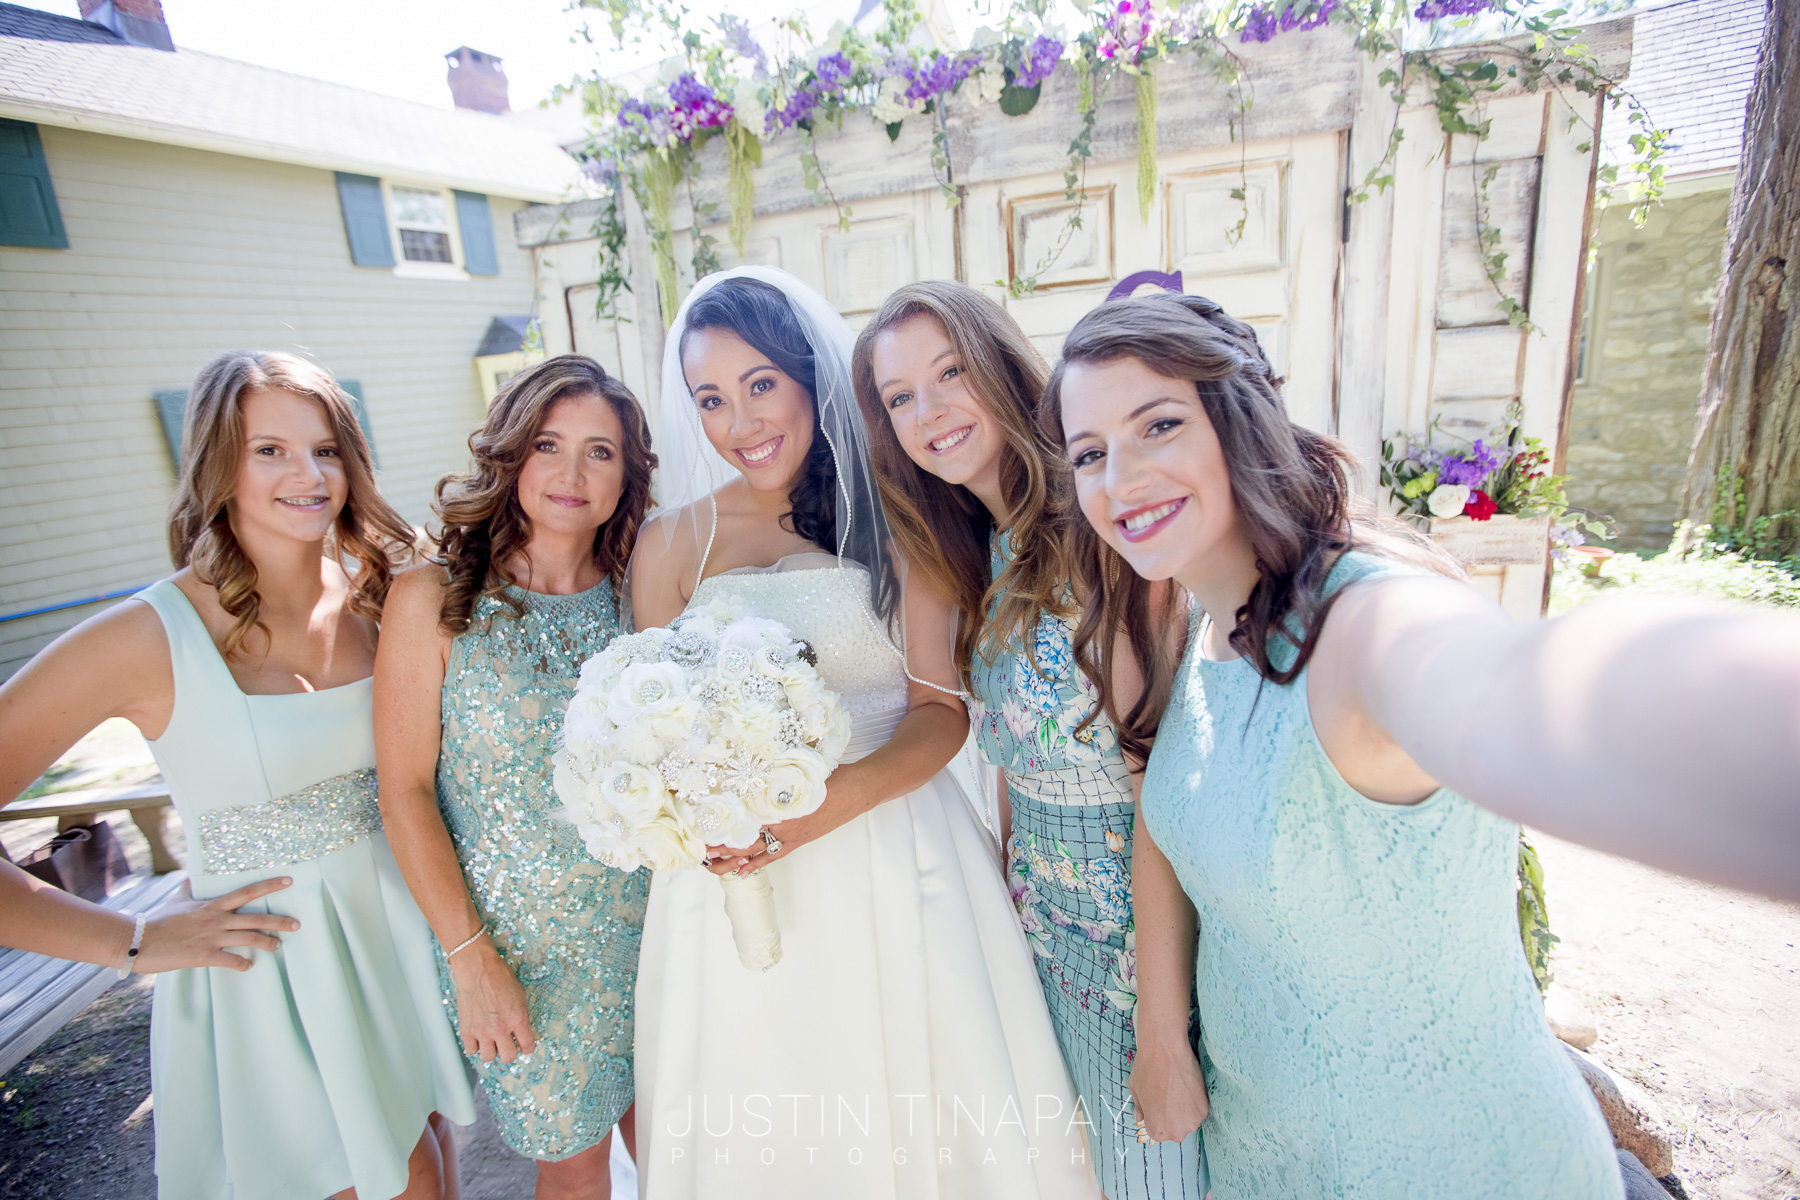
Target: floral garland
x,y
725,83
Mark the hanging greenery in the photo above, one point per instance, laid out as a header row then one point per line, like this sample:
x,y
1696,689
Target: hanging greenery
x,y
723,82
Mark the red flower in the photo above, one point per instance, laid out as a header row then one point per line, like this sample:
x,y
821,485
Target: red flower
x,y
1480,506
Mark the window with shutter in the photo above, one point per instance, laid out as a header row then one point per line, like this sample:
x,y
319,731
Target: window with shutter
x,y
477,234
365,220
28,212
171,408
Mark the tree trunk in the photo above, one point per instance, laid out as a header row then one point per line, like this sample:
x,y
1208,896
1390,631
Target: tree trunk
x,y
1748,435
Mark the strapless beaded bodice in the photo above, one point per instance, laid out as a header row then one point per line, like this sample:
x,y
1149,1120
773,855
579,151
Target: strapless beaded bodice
x,y
827,606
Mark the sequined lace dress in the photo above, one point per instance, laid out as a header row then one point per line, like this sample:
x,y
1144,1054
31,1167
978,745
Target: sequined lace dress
x,y
900,1048
1372,1028
316,1069
1068,865
568,926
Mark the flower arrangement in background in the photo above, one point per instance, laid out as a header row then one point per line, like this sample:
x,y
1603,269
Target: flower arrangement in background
x,y
1502,474
726,83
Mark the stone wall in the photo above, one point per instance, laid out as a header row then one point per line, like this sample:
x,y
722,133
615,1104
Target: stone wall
x,y
1632,423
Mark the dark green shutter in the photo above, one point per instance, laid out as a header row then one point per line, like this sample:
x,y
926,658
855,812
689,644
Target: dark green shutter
x,y
365,220
28,212
477,226
171,408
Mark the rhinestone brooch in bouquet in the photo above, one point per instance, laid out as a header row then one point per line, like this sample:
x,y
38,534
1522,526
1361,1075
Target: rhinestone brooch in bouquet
x,y
700,734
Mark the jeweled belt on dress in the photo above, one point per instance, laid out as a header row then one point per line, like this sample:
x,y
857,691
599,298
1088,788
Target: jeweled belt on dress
x,y
1102,783
300,826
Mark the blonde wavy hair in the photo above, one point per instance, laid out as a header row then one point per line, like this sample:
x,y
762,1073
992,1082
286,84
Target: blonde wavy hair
x,y
369,533
484,523
944,531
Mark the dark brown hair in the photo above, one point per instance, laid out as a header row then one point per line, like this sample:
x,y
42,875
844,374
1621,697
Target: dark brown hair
x,y
484,523
944,530
368,530
1290,486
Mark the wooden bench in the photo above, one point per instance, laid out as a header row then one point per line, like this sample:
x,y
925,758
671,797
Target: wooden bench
x,y
146,802
39,995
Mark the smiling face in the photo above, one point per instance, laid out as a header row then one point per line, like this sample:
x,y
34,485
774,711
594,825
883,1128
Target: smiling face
x,y
941,424
759,418
290,482
574,473
1150,474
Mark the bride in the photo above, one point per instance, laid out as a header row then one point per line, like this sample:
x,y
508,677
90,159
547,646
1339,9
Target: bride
x,y
901,1047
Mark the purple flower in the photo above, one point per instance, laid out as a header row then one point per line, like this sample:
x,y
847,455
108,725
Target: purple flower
x,y
834,71
1437,10
652,123
938,75
1469,468
1039,62
738,39
1263,23
696,107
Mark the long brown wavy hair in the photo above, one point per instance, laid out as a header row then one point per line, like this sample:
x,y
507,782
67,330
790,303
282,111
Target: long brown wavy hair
x,y
368,530
1290,485
943,530
484,523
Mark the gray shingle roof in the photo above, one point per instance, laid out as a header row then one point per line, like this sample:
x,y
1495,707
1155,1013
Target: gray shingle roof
x,y
200,100
51,27
1692,67
504,336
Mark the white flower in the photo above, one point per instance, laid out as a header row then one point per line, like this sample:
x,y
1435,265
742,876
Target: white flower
x,y
796,784
645,690
751,113
891,104
1448,500
633,791
989,82
670,842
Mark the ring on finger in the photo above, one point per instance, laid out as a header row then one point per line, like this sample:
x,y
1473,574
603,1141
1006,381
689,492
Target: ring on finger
x,y
772,842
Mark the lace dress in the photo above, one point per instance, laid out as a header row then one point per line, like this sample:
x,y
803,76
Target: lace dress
x,y
1372,1025
1068,862
900,1048
568,926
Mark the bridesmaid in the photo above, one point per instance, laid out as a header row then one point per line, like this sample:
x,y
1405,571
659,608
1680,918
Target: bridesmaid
x,y
976,497
323,1068
479,657
1371,1022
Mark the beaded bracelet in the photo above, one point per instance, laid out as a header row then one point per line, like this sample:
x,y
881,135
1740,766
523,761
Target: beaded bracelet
x,y
461,946
137,943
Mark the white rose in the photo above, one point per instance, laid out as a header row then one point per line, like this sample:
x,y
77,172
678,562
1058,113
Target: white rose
x,y
1448,500
891,104
989,82
669,843
605,844
635,792
646,690
571,788
751,113
796,785
753,726
724,820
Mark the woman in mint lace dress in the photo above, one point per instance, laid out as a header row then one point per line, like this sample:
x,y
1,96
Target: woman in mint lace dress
x,y
540,943
948,385
1372,1026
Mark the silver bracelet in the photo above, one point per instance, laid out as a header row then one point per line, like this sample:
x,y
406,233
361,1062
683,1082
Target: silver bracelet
x,y
461,946
137,943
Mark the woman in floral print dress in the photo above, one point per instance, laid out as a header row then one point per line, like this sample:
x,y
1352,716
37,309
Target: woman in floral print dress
x,y
949,385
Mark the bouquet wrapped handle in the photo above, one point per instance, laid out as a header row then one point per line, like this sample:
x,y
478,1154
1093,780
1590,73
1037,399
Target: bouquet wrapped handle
x,y
750,905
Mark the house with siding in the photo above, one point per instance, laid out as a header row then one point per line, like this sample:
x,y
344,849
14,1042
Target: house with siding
x,y
160,205
1649,294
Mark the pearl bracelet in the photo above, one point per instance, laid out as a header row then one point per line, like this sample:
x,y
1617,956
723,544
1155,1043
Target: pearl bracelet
x,y
461,946
137,942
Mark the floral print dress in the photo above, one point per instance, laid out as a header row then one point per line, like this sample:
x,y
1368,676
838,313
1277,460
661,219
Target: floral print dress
x,y
1068,864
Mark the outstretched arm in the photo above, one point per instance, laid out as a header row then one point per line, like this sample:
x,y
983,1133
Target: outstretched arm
x,y
1664,730
491,1009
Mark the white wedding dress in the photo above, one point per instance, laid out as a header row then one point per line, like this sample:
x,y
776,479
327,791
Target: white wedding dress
x,y
901,1048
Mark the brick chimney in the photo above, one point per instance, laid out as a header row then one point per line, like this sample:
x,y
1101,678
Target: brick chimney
x,y
139,22
476,80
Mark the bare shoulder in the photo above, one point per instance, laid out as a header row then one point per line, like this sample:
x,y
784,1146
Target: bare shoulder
x,y
663,564
115,663
414,601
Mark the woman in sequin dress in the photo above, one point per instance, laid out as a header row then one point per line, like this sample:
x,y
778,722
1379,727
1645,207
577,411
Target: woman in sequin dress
x,y
323,1065
479,658
949,386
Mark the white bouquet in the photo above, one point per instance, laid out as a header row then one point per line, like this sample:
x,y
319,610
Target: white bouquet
x,y
700,734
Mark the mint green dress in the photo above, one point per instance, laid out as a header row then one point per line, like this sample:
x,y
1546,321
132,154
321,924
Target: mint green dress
x,y
316,1069
1373,1029
569,927
1068,866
